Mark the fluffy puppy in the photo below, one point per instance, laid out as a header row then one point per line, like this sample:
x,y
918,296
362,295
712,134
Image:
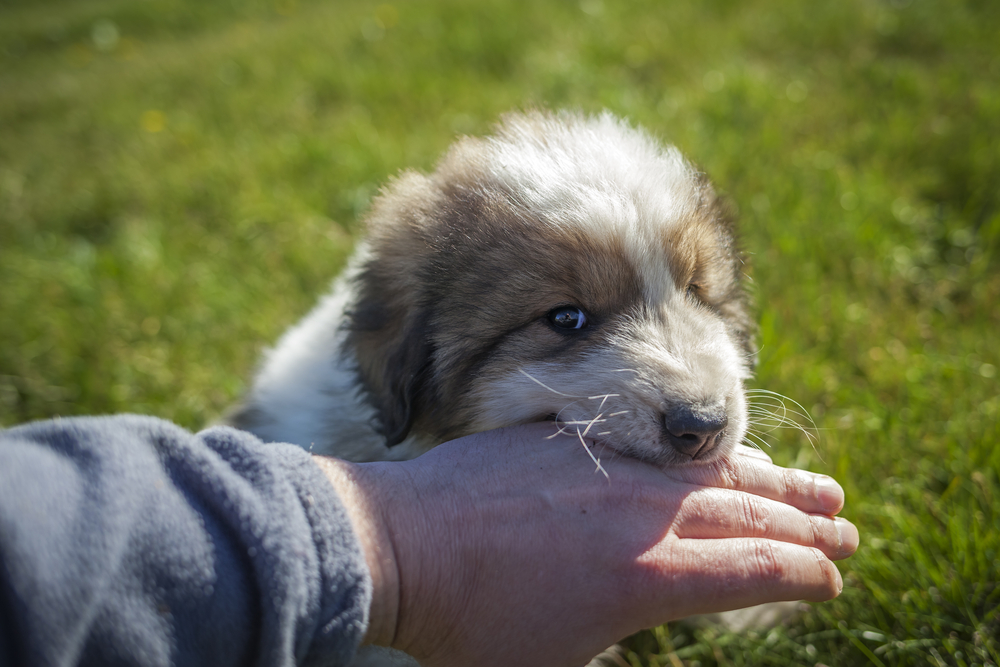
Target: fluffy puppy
x,y
567,268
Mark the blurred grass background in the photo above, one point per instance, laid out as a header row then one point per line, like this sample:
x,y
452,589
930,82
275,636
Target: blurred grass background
x,y
179,180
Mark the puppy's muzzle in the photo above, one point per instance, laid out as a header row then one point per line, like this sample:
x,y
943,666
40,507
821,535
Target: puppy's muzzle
x,y
694,430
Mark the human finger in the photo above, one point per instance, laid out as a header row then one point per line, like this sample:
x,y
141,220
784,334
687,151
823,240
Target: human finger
x,y
807,491
743,572
752,452
710,513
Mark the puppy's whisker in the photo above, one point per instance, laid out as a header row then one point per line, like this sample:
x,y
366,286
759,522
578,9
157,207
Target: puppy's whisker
x,y
558,415
768,411
790,416
583,422
588,424
560,430
603,401
763,397
764,417
562,424
774,422
771,402
783,401
542,384
753,439
773,419
593,458
593,421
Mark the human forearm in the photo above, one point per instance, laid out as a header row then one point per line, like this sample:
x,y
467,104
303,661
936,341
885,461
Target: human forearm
x,y
130,540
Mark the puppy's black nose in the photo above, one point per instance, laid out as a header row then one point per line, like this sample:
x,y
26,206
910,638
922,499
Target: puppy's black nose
x,y
694,429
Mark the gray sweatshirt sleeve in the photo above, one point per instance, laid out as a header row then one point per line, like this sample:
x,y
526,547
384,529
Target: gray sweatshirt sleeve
x,y
129,541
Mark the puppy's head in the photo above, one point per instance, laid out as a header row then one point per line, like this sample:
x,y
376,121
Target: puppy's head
x,y
566,268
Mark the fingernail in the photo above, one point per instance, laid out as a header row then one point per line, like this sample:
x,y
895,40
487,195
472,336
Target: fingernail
x,y
847,534
840,581
829,494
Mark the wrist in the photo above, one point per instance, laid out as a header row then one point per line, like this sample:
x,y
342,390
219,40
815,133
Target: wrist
x,y
354,486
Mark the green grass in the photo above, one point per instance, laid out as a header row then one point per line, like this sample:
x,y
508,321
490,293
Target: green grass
x,y
180,179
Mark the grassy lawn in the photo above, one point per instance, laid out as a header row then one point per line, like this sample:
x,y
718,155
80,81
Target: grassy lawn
x,y
180,179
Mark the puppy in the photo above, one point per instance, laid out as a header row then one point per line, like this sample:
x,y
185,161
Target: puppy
x,y
566,268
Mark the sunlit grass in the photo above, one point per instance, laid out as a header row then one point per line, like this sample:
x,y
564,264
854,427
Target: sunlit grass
x,y
178,181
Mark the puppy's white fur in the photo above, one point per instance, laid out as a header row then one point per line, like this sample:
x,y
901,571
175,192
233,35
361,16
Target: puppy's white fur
x,y
442,324
307,391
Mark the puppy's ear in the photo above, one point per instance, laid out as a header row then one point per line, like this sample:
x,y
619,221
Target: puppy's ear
x,y
737,312
736,305
393,357
389,323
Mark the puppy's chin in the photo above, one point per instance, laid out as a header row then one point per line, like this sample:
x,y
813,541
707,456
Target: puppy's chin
x,y
662,454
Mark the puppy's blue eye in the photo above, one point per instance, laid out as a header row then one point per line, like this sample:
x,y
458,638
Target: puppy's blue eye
x,y
567,317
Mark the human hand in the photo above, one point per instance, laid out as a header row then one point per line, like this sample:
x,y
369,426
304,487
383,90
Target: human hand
x,y
505,546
